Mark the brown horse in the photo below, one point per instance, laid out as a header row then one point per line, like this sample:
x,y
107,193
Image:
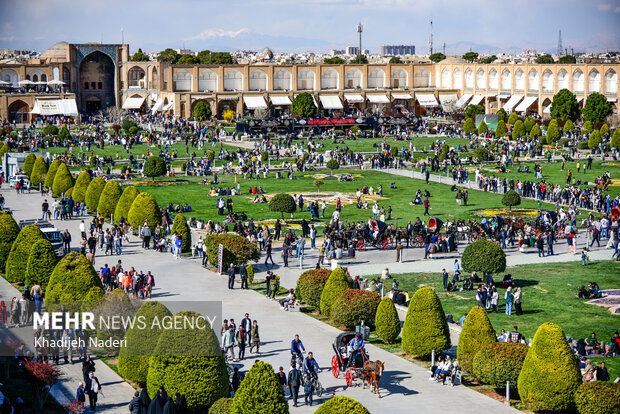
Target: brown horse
x,y
372,373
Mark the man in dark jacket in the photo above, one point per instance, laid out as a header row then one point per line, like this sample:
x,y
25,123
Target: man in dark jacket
x,y
295,380
134,404
231,276
243,272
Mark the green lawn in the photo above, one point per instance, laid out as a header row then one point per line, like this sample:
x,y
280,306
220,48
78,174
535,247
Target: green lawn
x,y
366,144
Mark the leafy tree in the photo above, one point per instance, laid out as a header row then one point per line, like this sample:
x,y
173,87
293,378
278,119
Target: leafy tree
x,y
332,165
310,286
501,129
221,406
387,322
482,128
93,193
303,106
469,126
513,118
4,148
472,110
127,124
168,56
615,139
481,154
29,163
206,57
550,374
187,59
74,279
180,227
483,256
565,106
50,130
139,56
144,207
596,109
8,233
437,57
535,132
470,56
264,156
37,176
594,140
341,405
477,334
336,60
63,180
42,377
237,249
318,183
81,186
395,60
567,60
500,362
124,203
511,199
488,59
64,134
109,199
51,173
502,115
425,328
202,111
568,126
282,203
518,130
529,124
360,60
336,284
598,398
260,392
154,166
545,59
41,262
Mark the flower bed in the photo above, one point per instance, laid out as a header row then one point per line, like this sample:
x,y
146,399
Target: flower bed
x,y
517,212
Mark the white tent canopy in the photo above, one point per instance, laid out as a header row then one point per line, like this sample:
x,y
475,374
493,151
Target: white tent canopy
x,y
280,100
426,99
168,106
448,99
527,102
547,109
159,103
378,99
330,101
133,103
476,99
47,107
353,98
255,102
512,102
401,96
463,100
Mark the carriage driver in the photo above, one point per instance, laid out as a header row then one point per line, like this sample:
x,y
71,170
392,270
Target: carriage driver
x,y
355,346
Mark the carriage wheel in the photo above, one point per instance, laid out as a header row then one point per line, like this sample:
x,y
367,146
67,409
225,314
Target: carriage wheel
x,y
387,243
335,366
348,378
360,245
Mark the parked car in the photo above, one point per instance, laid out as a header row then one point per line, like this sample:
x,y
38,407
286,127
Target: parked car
x,y
16,178
50,232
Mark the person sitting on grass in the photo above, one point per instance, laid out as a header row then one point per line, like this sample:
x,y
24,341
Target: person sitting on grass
x,y
583,293
592,344
594,292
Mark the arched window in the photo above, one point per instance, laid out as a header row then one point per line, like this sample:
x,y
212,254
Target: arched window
x,y
135,75
457,77
207,81
562,79
422,78
43,77
36,75
506,80
282,80
258,80
445,78
611,82
66,76
353,79
155,79
399,78
547,81
469,79
376,78
329,79
9,75
233,80
578,81
182,80
305,80
35,78
481,79
594,81
493,79
520,80
532,80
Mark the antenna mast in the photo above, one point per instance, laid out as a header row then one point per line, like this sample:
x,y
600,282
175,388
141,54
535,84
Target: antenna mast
x,y
431,38
560,48
360,29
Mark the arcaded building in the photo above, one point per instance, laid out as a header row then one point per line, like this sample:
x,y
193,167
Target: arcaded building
x,y
97,76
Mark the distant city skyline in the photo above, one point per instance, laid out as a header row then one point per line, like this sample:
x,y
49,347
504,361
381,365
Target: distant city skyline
x,y
485,26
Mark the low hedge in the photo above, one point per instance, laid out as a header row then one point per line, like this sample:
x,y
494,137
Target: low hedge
x,y
483,256
598,398
237,250
354,306
341,405
310,285
500,362
337,283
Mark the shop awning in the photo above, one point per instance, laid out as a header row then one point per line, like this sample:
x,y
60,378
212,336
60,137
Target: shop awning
x,y
426,99
168,106
48,107
401,96
330,101
476,99
356,98
280,100
512,102
254,102
133,103
547,109
611,99
377,99
448,100
463,100
579,99
159,103
527,102
503,96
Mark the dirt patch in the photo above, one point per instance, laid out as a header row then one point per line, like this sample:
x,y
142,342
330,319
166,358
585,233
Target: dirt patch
x,y
543,290
454,295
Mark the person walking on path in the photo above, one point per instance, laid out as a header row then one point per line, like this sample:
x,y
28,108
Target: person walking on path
x,y
145,232
295,380
255,335
228,342
427,204
243,273
44,208
268,250
231,276
246,322
93,387
285,252
241,339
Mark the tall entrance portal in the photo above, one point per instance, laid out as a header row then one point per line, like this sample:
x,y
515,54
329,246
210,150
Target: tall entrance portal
x,y
96,82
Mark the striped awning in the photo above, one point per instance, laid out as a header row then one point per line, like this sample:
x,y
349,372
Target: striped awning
x,y
330,101
280,100
353,98
526,103
512,102
254,102
377,99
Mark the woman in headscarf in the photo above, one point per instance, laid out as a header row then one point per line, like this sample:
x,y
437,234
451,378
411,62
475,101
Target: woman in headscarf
x,y
180,403
157,404
169,407
145,400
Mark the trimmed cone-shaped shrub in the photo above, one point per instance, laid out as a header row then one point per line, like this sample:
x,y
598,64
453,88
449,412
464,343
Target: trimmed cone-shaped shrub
x,y
179,225
550,374
38,172
144,207
69,193
237,250
500,362
93,193
8,233
20,251
190,362
74,279
221,406
337,283
354,306
51,173
250,269
310,286
260,392
63,180
341,405
29,163
80,187
425,328
41,263
387,322
477,334
484,256
109,198
598,398
124,203
134,358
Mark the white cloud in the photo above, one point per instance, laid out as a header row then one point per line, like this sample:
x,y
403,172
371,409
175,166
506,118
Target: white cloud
x,y
213,33
7,38
604,6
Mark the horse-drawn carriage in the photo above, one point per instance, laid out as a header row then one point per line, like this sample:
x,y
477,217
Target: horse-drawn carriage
x,y
376,234
355,366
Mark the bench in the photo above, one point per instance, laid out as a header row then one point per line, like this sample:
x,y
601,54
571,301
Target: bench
x,y
335,263
295,307
444,255
528,249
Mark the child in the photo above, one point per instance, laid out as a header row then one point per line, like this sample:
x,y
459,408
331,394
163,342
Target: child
x,y
308,390
584,257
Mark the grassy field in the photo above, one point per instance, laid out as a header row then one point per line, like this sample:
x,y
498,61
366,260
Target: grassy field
x,y
443,202
366,144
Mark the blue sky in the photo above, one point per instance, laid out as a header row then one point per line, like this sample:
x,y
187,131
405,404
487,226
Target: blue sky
x,y
314,25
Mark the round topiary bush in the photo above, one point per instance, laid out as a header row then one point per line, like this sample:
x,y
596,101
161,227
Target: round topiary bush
x,y
81,186
221,406
477,334
63,180
37,176
108,199
260,392
550,374
310,286
189,361
179,226
51,173
598,398
511,198
337,282
387,322
500,362
425,328
144,207
93,193
124,203
484,256
282,203
354,306
29,163
74,279
17,261
154,167
8,233
41,262
341,405
332,164
135,356
237,250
